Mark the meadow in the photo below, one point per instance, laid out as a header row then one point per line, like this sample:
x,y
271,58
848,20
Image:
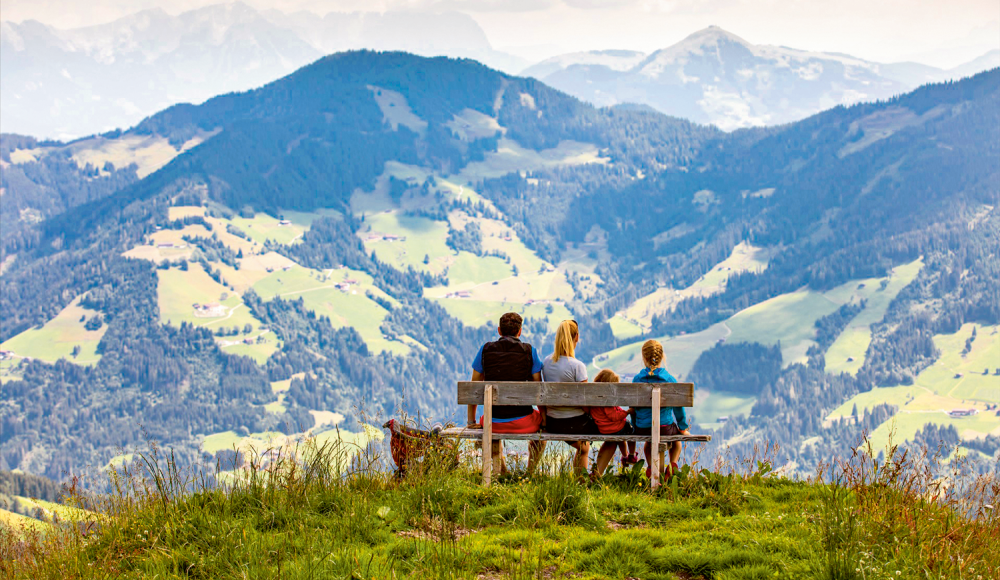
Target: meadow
x,y
60,336
314,515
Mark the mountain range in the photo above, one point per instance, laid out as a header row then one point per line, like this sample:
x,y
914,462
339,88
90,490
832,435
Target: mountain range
x,y
714,76
75,82
337,244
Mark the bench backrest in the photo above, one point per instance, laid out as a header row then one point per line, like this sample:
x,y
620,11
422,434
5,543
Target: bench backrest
x,y
578,394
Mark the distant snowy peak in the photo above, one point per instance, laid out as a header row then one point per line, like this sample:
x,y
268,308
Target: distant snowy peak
x,y
722,50
616,60
714,76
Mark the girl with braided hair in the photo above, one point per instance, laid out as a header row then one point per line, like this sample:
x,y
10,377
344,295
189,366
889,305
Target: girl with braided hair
x,y
674,420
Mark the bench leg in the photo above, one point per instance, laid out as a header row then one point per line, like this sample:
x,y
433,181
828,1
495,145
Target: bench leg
x,y
655,458
487,434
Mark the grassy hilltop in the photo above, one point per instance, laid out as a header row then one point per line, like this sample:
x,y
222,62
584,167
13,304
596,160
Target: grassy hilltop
x,y
313,519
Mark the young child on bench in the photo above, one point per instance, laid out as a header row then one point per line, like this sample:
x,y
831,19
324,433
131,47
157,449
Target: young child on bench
x,y
612,421
673,420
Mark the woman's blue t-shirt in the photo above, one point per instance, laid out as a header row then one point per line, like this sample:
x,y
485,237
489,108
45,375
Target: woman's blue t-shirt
x,y
644,415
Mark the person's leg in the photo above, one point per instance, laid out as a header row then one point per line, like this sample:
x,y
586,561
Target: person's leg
x,y
581,462
631,448
604,457
675,451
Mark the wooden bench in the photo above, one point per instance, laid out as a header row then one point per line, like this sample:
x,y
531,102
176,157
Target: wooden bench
x,y
652,395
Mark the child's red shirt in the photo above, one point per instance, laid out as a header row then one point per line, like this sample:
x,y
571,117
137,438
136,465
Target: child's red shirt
x,y
609,419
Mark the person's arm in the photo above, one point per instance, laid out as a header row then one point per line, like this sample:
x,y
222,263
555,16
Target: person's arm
x,y
681,417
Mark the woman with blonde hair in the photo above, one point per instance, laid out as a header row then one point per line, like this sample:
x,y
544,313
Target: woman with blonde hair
x,y
562,367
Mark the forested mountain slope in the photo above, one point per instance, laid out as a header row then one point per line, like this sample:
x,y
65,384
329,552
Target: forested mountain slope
x,y
340,241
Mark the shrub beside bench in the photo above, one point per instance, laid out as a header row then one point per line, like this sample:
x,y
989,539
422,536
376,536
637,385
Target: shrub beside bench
x,y
653,395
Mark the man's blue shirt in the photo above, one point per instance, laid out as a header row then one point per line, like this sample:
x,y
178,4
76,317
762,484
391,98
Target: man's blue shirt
x,y
644,415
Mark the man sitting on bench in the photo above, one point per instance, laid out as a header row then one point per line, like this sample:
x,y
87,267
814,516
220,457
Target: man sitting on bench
x,y
509,359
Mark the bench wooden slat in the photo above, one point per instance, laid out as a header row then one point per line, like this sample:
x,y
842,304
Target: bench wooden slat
x,y
464,433
578,394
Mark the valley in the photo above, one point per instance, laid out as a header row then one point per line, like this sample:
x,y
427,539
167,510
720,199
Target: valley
x,y
277,285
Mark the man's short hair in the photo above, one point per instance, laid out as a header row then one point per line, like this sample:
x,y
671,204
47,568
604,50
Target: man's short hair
x,y
510,324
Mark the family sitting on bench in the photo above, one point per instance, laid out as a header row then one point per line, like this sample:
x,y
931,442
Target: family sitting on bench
x,y
508,359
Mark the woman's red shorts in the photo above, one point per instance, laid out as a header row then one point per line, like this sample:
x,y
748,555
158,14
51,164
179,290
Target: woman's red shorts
x,y
528,424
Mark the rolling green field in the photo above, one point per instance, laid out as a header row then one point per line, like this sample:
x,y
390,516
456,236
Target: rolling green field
x,y
624,329
59,336
709,406
939,389
789,318
961,377
478,312
258,352
681,352
470,270
853,342
424,237
344,308
262,227
512,157
898,396
178,290
639,315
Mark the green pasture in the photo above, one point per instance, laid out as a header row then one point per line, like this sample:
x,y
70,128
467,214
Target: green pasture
x,y
263,227
681,352
258,352
424,237
710,405
899,396
854,340
470,269
961,377
53,510
178,290
624,329
512,157
344,308
905,425
744,258
56,338
480,312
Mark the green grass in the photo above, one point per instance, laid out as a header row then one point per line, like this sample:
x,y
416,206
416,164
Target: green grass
x,y
314,519
59,336
788,318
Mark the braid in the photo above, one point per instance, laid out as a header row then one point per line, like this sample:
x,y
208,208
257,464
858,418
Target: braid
x,y
652,354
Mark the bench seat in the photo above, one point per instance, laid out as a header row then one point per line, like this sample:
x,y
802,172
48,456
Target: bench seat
x,y
465,433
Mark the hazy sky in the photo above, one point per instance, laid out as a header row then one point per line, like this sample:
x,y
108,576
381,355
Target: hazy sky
x,y
938,32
